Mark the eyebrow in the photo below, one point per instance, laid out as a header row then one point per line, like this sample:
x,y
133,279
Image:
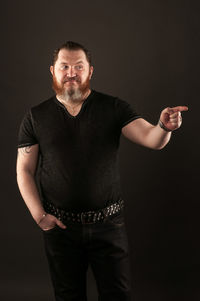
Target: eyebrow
x,y
64,63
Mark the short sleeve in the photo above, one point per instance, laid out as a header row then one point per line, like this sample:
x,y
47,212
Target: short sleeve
x,y
125,112
26,135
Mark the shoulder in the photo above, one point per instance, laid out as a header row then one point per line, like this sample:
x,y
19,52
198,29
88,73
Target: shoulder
x,y
43,108
107,97
104,98
44,105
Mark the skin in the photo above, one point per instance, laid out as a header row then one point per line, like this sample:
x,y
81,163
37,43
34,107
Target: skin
x,y
71,76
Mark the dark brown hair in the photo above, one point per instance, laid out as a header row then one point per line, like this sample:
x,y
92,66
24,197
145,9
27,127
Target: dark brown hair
x,y
70,45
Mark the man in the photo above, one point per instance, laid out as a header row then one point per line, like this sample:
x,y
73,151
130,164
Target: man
x,y
78,204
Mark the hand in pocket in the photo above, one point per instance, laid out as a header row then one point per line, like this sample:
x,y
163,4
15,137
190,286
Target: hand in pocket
x,y
49,222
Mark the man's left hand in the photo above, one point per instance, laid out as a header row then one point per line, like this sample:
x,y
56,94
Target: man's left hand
x,y
171,117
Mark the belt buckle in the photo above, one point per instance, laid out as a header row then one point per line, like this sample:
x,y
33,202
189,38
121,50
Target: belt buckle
x,y
84,220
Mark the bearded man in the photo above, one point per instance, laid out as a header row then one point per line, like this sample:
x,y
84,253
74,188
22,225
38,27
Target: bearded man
x,y
79,205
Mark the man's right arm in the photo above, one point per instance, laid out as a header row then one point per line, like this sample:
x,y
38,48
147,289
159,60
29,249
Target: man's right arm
x,y
27,160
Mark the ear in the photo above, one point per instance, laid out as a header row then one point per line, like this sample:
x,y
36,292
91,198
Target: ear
x,y
91,71
51,69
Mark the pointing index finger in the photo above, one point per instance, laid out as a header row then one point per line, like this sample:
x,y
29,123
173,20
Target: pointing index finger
x,y
180,108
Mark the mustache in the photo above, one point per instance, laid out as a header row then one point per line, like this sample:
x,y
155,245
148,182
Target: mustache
x,y
71,79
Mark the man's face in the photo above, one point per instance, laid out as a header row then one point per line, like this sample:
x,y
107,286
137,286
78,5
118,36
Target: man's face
x,y
71,74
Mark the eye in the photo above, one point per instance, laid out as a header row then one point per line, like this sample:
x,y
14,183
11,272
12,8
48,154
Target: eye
x,y
79,67
64,67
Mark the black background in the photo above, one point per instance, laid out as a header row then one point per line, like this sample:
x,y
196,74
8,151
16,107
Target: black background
x,y
146,52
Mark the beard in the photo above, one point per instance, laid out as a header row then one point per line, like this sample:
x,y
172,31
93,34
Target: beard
x,y
72,92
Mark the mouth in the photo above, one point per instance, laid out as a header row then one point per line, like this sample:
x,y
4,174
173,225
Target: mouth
x,y
71,81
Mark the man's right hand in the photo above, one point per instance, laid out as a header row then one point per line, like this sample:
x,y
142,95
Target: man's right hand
x,y
49,222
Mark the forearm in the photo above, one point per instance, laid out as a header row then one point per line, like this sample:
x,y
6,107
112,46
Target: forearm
x,y
28,189
157,138
144,133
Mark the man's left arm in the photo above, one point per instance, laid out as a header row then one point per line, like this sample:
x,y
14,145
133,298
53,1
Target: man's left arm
x,y
157,136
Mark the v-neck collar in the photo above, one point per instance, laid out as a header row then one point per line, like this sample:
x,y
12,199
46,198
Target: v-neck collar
x,y
83,105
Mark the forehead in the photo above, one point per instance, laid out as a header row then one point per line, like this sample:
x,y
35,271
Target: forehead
x,y
71,56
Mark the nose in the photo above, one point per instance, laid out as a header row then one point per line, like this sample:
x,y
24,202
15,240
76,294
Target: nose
x,y
71,72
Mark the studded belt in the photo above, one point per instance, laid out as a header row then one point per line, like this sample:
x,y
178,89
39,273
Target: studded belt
x,y
87,217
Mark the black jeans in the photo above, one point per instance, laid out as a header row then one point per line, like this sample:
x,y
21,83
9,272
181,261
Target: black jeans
x,y
103,245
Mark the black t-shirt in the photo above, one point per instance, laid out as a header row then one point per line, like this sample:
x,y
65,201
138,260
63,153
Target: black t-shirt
x,y
79,167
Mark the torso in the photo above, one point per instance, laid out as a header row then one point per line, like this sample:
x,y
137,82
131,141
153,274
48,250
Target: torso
x,y
79,155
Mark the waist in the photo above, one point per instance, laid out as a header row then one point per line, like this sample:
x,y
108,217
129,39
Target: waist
x,y
86,217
